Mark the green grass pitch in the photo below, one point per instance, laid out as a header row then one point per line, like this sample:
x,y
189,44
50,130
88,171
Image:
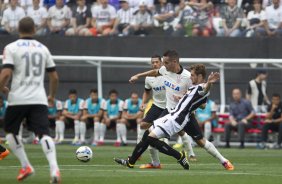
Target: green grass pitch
x,y
251,166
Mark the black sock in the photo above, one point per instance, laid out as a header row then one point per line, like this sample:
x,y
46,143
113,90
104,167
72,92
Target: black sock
x,y
2,149
163,147
139,148
242,143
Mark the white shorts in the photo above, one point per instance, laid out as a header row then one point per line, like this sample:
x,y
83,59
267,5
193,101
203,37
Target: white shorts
x,y
166,127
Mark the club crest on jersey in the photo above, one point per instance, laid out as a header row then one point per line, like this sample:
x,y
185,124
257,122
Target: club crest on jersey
x,y
159,88
172,86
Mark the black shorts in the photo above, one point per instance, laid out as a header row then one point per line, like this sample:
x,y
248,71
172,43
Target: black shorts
x,y
52,123
89,123
112,124
69,123
153,114
131,124
164,112
36,119
193,129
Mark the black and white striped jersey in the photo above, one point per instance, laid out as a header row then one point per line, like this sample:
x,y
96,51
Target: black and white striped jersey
x,y
193,99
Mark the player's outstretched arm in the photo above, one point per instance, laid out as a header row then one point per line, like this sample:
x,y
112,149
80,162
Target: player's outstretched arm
x,y
134,78
5,76
53,84
212,78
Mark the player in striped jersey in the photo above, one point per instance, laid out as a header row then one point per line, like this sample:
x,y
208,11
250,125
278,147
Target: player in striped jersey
x,y
182,118
92,114
72,113
55,108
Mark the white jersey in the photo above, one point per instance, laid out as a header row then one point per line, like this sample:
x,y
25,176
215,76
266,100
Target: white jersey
x,y
12,17
103,15
28,58
37,15
273,16
176,85
58,15
157,85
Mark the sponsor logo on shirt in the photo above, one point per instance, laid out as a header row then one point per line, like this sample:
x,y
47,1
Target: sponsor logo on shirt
x,y
159,88
172,86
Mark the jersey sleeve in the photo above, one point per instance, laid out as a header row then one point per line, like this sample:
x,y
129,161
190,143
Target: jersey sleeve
x,y
103,104
162,70
50,64
81,104
66,105
125,107
213,107
59,105
121,106
85,106
8,60
147,84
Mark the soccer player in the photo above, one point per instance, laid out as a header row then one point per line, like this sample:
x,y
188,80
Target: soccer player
x,y
25,62
92,114
182,118
72,113
132,115
55,108
112,116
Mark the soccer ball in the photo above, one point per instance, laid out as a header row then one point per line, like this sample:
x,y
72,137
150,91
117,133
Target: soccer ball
x,y
84,153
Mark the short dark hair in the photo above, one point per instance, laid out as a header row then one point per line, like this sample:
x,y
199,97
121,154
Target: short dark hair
x,y
199,69
172,54
93,90
113,91
276,95
72,91
26,25
157,56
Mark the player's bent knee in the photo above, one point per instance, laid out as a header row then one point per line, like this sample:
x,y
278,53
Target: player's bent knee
x,y
181,133
201,142
145,125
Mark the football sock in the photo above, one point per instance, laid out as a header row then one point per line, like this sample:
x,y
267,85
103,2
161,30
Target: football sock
x,y
61,129
123,133
76,129
154,154
163,147
2,149
210,148
139,148
57,135
103,128
178,140
140,133
20,134
49,150
207,130
96,131
18,149
82,129
118,130
187,144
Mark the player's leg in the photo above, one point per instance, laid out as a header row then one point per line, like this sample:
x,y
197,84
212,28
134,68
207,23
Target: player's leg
x,y
3,152
38,122
123,130
187,145
207,130
192,128
103,129
60,125
82,129
12,125
76,131
96,131
140,131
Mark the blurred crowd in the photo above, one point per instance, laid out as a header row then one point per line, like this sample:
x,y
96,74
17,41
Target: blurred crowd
x,y
228,18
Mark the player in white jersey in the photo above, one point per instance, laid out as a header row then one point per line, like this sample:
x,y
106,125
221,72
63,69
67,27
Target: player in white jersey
x,y
176,81
25,62
182,118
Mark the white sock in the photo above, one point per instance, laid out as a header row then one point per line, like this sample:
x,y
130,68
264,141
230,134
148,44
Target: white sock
x,y
187,144
140,133
123,133
210,148
76,129
49,149
154,154
207,130
96,131
103,128
61,129
57,135
20,134
18,149
82,129
118,130
178,140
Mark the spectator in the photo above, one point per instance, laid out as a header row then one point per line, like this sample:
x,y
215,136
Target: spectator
x,y
72,113
3,107
39,15
104,16
255,19
115,3
134,4
92,115
142,20
206,117
112,116
27,4
203,10
266,3
164,16
59,17
11,17
256,92
81,20
231,20
273,121
123,20
272,25
132,114
240,116
186,16
55,109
